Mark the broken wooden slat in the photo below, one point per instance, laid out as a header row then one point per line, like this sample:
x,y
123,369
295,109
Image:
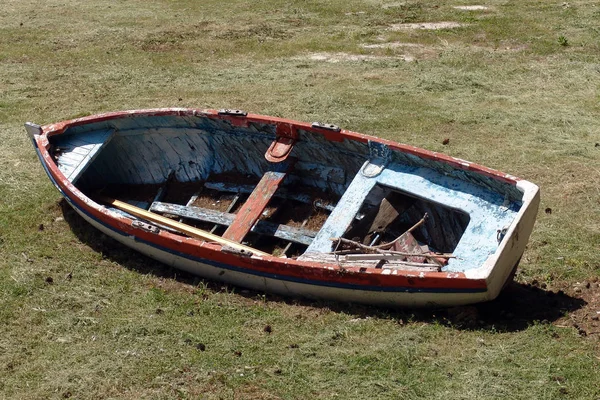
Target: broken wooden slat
x,y
287,247
191,201
184,228
162,191
296,235
399,257
374,263
236,188
250,212
380,218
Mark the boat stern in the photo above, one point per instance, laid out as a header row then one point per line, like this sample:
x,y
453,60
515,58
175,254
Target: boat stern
x,y
499,267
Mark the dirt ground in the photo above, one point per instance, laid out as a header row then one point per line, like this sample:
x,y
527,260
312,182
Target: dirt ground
x,y
576,306
586,319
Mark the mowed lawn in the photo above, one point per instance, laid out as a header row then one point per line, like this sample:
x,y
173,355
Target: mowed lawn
x,y
513,85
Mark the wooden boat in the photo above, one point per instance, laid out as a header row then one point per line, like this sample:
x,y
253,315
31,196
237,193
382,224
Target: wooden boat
x,y
293,208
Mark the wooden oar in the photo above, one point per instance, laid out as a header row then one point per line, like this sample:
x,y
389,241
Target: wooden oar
x,y
179,226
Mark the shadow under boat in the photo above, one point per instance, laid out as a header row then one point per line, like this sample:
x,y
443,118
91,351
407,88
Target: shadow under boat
x,y
516,308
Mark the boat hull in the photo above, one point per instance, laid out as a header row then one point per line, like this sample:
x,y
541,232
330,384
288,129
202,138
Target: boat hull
x,y
305,278
278,284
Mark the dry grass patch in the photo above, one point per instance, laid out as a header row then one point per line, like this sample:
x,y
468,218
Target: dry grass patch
x,y
346,57
410,51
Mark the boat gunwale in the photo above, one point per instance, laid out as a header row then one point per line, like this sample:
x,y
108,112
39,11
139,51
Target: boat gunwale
x,y
336,136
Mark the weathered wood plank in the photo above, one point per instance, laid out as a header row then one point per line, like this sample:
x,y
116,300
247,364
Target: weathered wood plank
x,y
320,172
184,228
296,235
240,188
82,151
388,257
250,212
343,214
67,162
378,262
70,155
281,193
101,139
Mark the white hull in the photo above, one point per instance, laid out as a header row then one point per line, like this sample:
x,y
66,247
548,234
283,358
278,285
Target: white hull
x,y
289,288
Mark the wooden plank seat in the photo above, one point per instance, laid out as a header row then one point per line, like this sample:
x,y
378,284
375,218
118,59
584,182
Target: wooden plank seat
x,y
282,193
296,235
256,203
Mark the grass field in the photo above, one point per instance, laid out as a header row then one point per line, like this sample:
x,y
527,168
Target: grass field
x,y
514,86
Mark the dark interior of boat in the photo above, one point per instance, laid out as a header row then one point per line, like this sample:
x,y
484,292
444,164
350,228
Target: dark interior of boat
x,y
387,213
294,213
286,226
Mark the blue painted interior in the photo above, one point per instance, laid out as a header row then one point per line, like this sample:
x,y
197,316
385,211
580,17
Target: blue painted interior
x,y
76,153
343,214
146,149
484,207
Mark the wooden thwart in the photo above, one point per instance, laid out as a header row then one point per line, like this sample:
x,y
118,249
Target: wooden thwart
x,y
282,193
296,235
181,227
252,209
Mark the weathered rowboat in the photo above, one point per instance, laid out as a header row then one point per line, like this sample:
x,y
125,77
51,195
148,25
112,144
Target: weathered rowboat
x,y
293,208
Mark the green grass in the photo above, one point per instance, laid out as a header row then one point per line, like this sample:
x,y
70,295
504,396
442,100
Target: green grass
x,y
517,88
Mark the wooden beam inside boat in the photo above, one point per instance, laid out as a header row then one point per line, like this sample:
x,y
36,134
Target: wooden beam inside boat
x,y
296,235
254,206
181,227
281,193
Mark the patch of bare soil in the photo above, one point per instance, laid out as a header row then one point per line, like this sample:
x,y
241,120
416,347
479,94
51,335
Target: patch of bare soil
x,y
519,305
392,45
507,47
427,26
347,57
472,8
586,319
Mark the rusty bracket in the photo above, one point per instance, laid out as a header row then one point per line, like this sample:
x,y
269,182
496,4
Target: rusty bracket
x,y
236,113
145,226
329,127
